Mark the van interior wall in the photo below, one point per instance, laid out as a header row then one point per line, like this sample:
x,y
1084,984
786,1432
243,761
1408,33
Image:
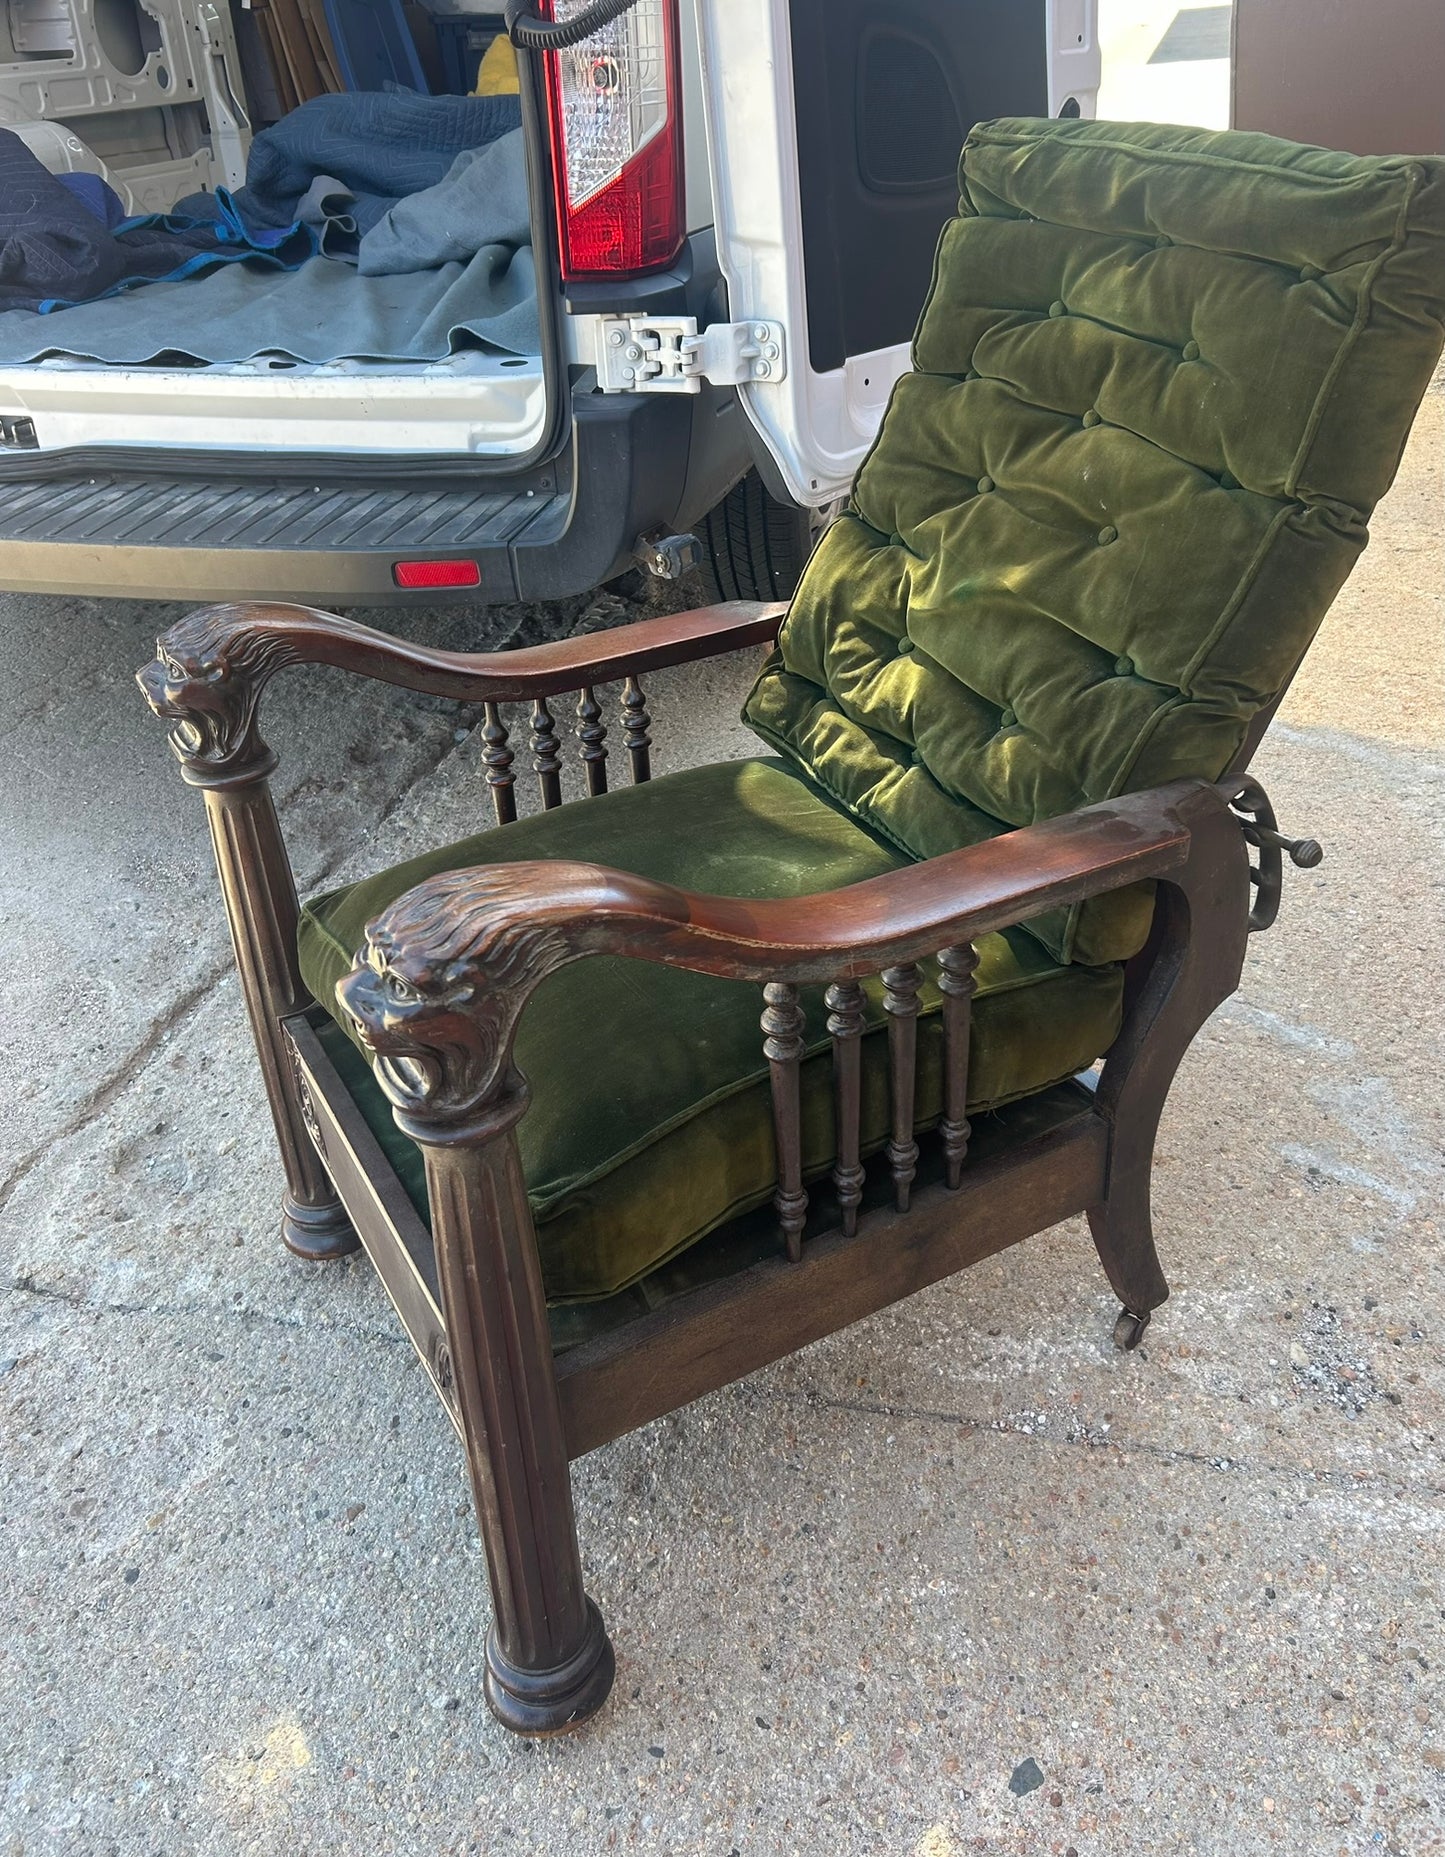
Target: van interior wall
x,y
144,93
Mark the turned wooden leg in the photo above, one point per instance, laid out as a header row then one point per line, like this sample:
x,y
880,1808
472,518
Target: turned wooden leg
x,y
261,905
549,1660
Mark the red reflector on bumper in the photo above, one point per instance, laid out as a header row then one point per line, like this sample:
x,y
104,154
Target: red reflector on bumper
x,y
421,574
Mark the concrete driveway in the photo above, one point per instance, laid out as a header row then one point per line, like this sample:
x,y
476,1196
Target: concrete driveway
x,y
1164,62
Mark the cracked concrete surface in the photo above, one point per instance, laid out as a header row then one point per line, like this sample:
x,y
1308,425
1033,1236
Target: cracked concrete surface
x,y
855,1597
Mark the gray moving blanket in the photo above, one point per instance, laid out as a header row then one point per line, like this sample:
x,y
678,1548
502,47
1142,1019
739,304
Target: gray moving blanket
x,y
484,187
485,295
378,146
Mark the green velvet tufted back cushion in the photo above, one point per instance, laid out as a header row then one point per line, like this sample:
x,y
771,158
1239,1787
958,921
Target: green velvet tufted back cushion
x,y
1161,379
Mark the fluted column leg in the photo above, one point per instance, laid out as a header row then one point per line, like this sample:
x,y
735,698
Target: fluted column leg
x,y
262,908
549,1660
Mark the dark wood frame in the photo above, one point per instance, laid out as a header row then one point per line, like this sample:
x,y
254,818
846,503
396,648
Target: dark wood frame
x,y
442,982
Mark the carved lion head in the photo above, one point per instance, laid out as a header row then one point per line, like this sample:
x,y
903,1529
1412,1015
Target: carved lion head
x,y
206,681
194,694
429,1052
440,985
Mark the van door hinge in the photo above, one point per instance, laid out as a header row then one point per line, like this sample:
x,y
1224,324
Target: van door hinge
x,y
18,433
669,354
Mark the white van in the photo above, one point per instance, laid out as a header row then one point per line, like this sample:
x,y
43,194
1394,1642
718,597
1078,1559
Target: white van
x,y
734,208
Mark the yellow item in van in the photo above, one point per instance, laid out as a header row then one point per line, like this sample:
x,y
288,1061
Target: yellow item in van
x,y
498,75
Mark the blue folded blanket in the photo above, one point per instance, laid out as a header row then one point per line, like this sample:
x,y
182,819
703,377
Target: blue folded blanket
x,y
56,250
370,148
450,268
97,195
339,162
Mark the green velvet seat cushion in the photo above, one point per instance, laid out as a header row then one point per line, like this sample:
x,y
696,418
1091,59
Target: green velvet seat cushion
x,y
650,1122
1161,379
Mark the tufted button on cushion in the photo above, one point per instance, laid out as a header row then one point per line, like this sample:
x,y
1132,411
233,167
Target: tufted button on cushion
x,y
1163,242
1190,351
1091,418
1108,534
1310,273
1228,480
905,645
985,484
1006,718
1123,667
1216,597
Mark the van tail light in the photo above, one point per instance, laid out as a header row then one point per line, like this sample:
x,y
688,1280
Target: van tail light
x,y
615,104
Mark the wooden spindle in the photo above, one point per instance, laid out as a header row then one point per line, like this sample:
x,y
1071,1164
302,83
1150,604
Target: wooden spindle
x,y
783,1046
957,981
846,1020
499,758
546,756
901,987
637,730
592,734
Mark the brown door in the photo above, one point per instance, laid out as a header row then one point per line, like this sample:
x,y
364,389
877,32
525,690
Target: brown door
x,y
1364,75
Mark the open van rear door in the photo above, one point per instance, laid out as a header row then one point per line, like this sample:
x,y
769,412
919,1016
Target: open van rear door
x,y
834,128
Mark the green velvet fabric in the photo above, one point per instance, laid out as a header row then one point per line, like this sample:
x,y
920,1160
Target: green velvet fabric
x,y
1161,379
650,1123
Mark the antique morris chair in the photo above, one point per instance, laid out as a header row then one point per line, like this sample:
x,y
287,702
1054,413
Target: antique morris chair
x,y
1161,380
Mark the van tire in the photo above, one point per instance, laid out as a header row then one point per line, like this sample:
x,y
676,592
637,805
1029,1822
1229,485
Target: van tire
x,y
754,547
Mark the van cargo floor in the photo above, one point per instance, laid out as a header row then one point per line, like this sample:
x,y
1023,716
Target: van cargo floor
x,y
183,539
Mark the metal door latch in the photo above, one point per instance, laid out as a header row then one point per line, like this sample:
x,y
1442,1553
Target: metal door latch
x,y
17,433
670,354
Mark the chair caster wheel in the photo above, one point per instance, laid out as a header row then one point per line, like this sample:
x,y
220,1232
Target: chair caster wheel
x,y
1129,1330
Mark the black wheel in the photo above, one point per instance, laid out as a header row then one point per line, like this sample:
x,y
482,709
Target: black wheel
x,y
1129,1330
755,548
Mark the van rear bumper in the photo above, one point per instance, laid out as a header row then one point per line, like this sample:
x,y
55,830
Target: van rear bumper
x,y
560,530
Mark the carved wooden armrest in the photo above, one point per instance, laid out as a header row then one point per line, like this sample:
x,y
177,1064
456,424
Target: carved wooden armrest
x,y
447,969
212,666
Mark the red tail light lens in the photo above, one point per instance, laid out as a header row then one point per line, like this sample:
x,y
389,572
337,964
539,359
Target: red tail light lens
x,y
615,103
